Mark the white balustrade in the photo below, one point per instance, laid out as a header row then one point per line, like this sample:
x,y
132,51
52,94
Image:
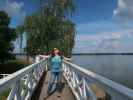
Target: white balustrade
x,y
23,82
80,81
3,75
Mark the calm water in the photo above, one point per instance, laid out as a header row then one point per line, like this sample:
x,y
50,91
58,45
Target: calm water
x,y
118,68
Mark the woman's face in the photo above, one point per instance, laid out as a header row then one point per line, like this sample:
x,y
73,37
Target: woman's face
x,y
56,51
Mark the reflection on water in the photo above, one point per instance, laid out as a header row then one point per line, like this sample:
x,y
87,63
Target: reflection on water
x,y
118,68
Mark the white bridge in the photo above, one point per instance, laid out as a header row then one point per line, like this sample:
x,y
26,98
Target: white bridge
x,y
24,82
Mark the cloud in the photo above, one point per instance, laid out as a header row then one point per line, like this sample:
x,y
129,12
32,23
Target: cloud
x,y
98,26
124,10
114,35
14,10
105,42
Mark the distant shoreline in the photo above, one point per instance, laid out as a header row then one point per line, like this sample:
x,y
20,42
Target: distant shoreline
x,y
102,53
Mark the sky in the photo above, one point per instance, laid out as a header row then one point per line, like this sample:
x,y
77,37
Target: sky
x,y
102,25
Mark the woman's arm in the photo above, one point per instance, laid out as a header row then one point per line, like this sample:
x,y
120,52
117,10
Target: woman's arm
x,y
68,59
44,56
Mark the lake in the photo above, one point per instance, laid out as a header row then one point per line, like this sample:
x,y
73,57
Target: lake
x,y
118,68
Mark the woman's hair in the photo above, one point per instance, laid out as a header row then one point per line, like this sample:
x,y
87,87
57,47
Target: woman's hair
x,y
53,54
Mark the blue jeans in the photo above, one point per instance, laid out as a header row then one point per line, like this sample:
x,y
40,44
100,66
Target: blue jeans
x,y
54,76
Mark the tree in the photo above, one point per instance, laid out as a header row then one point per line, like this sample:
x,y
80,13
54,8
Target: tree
x,y
7,35
51,28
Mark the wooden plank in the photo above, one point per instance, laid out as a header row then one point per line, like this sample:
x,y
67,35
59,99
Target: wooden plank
x,y
63,94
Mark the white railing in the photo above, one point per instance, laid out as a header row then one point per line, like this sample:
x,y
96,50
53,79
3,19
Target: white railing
x,y
23,82
3,75
80,81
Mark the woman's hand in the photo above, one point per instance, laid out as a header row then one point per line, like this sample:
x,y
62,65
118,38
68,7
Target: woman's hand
x,y
44,56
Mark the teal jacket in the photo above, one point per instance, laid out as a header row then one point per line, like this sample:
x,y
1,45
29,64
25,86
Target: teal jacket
x,y
56,63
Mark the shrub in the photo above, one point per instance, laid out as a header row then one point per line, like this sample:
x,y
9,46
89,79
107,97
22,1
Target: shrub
x,y
12,66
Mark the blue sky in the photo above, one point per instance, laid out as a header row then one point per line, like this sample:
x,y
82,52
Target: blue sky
x,y
102,25
94,10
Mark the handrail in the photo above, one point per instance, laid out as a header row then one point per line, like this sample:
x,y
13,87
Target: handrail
x,y
78,77
23,82
3,75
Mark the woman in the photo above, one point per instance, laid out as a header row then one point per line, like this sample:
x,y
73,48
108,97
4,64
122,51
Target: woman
x,y
56,68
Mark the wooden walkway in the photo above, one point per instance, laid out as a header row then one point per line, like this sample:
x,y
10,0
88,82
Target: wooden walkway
x,y
63,91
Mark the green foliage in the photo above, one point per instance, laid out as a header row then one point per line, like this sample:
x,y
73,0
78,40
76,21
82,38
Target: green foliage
x,y
51,28
4,95
13,66
7,34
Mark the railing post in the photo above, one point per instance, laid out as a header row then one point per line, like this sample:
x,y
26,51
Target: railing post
x,y
15,92
18,93
84,97
73,79
92,95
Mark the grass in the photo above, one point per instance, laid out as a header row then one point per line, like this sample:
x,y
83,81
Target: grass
x,y
4,95
12,66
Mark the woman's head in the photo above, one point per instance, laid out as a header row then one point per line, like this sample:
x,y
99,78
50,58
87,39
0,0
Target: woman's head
x,y
56,51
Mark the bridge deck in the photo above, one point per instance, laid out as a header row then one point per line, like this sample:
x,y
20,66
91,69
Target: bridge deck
x,y
62,93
